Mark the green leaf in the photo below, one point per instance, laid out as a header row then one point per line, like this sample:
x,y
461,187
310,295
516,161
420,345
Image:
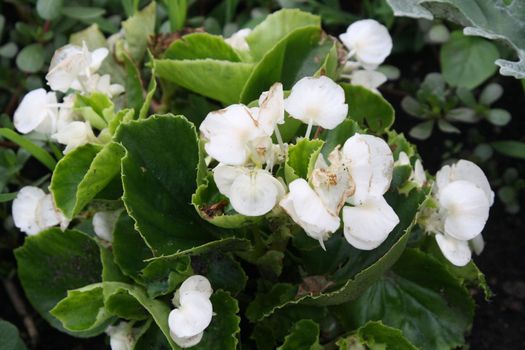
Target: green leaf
x,y
201,46
422,131
39,153
224,327
83,12
368,109
223,271
177,12
7,197
159,175
134,88
440,309
275,27
301,159
152,87
515,149
376,336
10,337
96,108
130,6
53,262
83,309
83,173
304,335
49,9
137,30
499,117
480,54
161,277
220,80
492,19
31,58
338,135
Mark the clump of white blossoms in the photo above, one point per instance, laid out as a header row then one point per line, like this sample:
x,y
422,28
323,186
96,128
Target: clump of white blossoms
x,y
463,198
369,44
72,71
193,311
34,211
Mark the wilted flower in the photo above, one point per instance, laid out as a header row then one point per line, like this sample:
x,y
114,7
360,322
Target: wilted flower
x,y
71,65
238,39
369,41
252,192
38,111
34,210
317,101
193,312
306,208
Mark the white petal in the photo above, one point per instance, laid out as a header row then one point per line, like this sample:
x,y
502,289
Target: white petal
x,y
369,79
456,251
47,214
224,176
229,132
121,336
466,209
307,210
255,193
419,173
369,40
67,65
104,223
319,100
25,207
192,317
36,108
402,159
187,342
238,39
97,57
477,244
368,225
371,165
196,283
466,170
74,134
271,108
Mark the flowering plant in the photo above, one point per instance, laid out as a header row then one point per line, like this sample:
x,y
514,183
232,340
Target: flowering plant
x,y
292,217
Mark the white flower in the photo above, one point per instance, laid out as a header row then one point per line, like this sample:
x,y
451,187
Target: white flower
x,y
75,134
72,64
34,211
317,101
232,134
238,39
306,208
418,175
271,109
104,223
121,336
332,183
97,83
252,192
456,251
38,111
193,312
66,112
369,79
369,41
371,164
367,226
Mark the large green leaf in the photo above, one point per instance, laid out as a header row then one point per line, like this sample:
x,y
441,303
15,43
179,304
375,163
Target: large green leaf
x,y
83,173
53,262
159,175
492,19
10,337
199,46
480,55
219,80
304,335
421,298
370,110
376,336
83,309
275,27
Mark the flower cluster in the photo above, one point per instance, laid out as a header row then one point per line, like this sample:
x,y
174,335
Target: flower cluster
x,y
463,198
352,180
193,311
369,44
72,71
